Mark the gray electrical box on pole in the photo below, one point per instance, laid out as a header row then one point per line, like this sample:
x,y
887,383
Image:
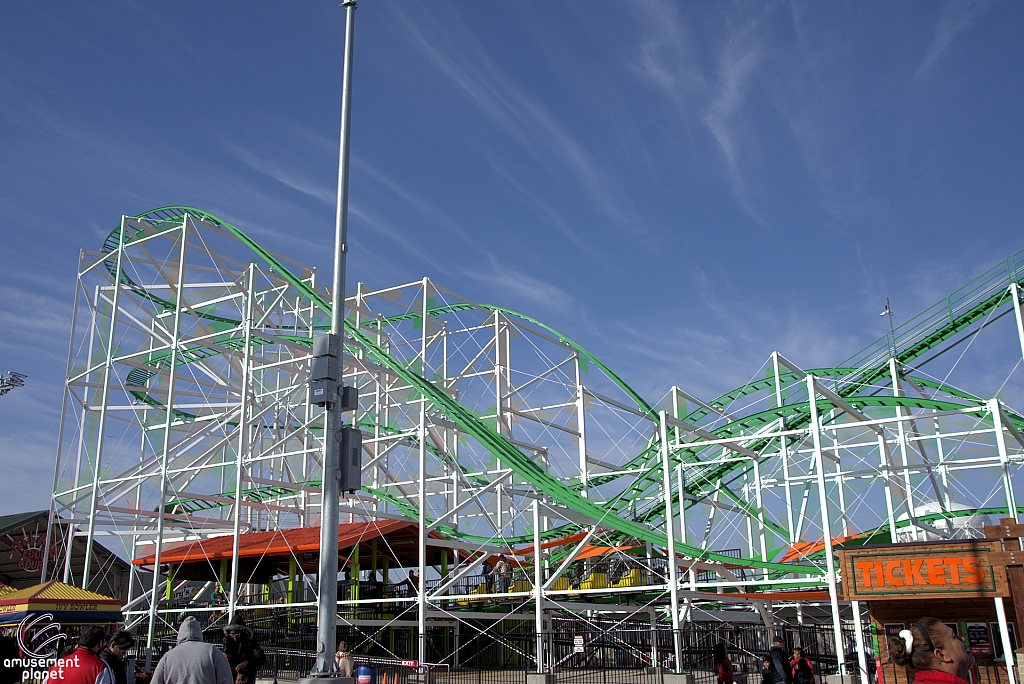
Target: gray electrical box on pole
x,y
325,369
325,387
351,461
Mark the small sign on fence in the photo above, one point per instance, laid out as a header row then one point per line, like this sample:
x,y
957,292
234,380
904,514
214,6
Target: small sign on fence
x,y
577,644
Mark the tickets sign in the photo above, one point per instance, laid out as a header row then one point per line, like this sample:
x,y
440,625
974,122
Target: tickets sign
x,y
920,571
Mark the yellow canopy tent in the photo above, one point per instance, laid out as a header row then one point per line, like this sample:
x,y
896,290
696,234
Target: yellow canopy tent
x,y
69,605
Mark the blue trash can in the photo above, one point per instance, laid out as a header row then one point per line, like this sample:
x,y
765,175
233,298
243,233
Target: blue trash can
x,y
366,675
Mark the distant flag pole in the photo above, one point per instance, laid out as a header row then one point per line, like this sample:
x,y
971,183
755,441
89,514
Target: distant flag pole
x,y
892,330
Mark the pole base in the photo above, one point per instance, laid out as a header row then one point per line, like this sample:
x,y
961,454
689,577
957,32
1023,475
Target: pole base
x,y
841,679
677,678
540,678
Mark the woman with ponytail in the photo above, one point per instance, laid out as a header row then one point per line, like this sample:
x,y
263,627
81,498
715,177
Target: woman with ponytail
x,y
931,653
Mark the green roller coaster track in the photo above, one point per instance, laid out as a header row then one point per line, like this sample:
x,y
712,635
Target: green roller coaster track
x,y
927,332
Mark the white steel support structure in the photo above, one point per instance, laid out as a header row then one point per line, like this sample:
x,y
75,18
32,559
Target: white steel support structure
x,y
831,577
670,548
187,416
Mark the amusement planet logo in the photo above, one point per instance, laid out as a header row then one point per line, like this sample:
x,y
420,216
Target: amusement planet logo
x,y
39,650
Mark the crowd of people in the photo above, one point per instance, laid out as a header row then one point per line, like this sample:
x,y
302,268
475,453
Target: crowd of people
x,y
99,658
779,667
930,651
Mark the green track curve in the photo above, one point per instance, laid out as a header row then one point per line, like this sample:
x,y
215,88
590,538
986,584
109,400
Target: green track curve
x,y
846,379
497,444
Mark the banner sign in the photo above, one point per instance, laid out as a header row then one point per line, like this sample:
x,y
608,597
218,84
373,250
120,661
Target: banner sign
x,y
922,571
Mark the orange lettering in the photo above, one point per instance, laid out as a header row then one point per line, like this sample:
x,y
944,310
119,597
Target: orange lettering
x,y
891,578
865,567
975,575
936,571
954,569
912,570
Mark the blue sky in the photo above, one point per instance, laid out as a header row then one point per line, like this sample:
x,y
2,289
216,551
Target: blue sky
x,y
680,187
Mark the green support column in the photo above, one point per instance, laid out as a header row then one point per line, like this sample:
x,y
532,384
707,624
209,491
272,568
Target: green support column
x,y
292,572
291,579
355,574
170,582
223,576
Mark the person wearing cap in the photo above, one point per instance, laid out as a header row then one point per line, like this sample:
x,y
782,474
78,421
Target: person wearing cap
x,y
113,655
243,651
931,653
780,671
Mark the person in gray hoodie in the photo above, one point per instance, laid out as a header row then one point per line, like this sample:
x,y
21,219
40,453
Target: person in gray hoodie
x,y
192,661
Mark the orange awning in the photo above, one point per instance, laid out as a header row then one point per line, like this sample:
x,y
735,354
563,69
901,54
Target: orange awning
x,y
561,541
593,551
782,596
264,554
800,549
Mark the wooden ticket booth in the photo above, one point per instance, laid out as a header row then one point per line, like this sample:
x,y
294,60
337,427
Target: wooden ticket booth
x,y
963,583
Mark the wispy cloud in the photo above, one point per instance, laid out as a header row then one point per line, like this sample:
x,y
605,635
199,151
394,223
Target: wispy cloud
x,y
318,190
712,93
28,458
435,215
397,236
516,285
535,204
666,58
33,319
721,352
956,16
453,50
738,59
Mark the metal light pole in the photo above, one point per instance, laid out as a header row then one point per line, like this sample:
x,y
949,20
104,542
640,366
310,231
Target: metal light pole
x,y
327,607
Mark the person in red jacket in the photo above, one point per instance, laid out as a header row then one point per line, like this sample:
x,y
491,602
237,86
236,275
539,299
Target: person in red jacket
x,y
83,665
723,666
931,653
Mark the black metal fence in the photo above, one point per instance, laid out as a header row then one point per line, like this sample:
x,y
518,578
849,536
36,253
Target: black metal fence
x,y
499,651
587,654
747,645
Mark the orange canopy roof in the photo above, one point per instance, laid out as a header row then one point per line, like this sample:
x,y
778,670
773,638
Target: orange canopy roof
x,y
561,541
591,551
782,595
263,554
800,549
